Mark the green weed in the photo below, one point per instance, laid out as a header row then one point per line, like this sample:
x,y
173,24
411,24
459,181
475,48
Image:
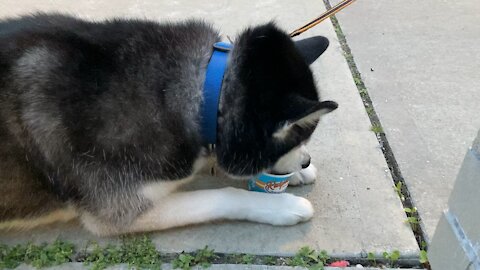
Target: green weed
x,y
412,218
183,261
136,252
423,256
269,260
377,128
392,258
39,256
398,189
372,259
307,257
202,257
370,111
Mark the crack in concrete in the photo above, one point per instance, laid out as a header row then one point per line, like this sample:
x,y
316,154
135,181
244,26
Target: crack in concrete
x,y
419,231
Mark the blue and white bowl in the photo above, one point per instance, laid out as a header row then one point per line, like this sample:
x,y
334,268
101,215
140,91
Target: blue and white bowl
x,y
269,183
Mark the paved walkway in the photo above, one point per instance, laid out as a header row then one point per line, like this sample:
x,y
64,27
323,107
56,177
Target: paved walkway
x,y
419,62
424,89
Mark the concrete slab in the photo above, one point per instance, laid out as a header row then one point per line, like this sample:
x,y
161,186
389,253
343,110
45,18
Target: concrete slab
x,y
357,210
424,86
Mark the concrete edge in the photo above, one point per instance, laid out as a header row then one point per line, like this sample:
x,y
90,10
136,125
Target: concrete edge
x,y
168,266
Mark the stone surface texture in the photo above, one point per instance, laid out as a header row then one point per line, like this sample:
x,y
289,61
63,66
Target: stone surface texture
x,y
418,61
357,209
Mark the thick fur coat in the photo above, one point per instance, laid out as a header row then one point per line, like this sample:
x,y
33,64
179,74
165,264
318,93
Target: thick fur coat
x,y
103,117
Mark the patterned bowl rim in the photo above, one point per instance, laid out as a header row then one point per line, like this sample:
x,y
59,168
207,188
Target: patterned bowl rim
x,y
279,175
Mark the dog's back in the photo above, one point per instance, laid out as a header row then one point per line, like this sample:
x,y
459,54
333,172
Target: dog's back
x,y
68,83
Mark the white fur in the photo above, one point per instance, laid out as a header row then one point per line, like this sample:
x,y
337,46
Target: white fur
x,y
172,208
292,161
304,177
282,132
306,121
312,118
60,215
184,208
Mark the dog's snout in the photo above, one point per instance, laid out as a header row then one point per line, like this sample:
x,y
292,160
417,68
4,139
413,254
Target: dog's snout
x,y
306,164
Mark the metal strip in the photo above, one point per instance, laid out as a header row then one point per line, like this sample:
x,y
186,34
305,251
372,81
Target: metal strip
x,y
462,238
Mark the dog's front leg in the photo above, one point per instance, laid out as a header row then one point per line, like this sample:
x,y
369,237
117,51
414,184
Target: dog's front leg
x,y
185,208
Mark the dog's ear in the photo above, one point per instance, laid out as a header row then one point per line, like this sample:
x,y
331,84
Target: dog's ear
x,y
312,112
304,113
311,48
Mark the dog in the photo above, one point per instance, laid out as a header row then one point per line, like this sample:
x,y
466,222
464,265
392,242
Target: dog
x,y
103,121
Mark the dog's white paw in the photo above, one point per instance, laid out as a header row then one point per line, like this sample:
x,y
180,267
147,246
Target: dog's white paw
x,y
304,177
295,209
283,209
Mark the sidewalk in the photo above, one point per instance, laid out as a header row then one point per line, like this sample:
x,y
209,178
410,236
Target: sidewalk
x,y
418,62
357,209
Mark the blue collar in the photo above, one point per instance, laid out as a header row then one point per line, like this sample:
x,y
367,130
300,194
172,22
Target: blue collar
x,y
211,91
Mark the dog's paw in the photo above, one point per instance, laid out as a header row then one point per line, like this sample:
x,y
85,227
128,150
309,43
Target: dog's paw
x,y
304,177
295,210
282,210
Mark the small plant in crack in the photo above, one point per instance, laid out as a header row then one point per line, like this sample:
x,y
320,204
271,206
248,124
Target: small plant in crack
x,y
358,80
398,189
100,258
412,218
323,257
247,259
205,256
377,128
137,252
39,256
371,258
307,257
370,111
392,258
241,258
202,257
269,260
423,256
183,261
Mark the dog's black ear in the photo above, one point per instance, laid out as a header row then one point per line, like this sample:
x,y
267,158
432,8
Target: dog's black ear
x,y
304,113
311,48
312,111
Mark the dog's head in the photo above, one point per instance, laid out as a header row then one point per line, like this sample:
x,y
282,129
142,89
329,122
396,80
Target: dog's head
x,y
269,104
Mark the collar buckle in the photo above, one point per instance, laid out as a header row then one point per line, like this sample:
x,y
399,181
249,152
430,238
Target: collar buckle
x,y
223,46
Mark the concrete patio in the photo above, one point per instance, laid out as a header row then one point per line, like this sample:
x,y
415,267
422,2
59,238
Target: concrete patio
x,y
429,114
424,86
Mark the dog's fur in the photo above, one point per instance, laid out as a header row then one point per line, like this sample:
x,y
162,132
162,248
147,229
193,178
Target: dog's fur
x,y
104,118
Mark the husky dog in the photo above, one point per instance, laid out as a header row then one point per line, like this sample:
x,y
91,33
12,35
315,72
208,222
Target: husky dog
x,y
103,118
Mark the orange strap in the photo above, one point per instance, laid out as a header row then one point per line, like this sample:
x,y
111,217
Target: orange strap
x,y
322,17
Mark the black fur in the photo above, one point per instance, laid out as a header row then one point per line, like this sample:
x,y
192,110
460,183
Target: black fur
x,y
267,84
96,110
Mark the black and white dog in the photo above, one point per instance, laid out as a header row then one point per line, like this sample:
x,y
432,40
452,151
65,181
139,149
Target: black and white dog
x,y
101,120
